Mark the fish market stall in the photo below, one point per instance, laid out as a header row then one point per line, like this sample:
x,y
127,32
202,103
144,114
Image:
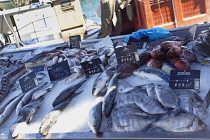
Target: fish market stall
x,y
93,89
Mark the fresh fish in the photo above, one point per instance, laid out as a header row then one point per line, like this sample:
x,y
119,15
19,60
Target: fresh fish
x,y
17,127
150,74
51,118
100,83
4,105
67,93
27,97
72,77
28,110
95,116
166,96
9,109
184,122
150,87
150,105
129,120
207,99
45,89
109,98
9,79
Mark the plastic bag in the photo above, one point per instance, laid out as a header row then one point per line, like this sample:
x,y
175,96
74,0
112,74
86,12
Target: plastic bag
x,y
153,34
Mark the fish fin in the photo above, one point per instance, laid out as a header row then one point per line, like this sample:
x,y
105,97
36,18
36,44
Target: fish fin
x,y
179,110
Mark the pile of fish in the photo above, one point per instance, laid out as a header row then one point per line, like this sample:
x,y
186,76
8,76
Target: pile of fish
x,y
146,108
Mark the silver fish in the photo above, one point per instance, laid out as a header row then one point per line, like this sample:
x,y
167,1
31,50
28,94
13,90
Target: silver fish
x,y
184,122
150,105
95,116
28,110
68,92
112,59
17,127
51,118
109,98
150,74
9,109
131,120
27,97
166,96
100,83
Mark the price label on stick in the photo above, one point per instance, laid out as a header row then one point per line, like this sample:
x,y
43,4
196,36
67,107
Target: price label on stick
x,y
35,66
28,82
92,67
185,79
141,43
127,54
75,41
59,71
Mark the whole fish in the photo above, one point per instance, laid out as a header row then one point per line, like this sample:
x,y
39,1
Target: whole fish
x,y
100,83
166,96
184,122
150,74
95,116
150,105
27,97
68,92
109,98
30,109
9,109
42,92
124,121
150,87
51,118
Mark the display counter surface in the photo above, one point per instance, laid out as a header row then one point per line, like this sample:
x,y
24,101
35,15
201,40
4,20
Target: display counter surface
x,y
72,123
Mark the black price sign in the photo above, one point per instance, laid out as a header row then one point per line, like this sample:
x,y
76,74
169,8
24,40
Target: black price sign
x,y
127,54
28,82
141,43
92,67
59,71
185,79
75,41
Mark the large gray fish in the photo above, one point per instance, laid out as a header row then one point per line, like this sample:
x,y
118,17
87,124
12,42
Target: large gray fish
x,y
30,109
184,122
68,92
150,74
100,83
9,109
51,118
95,116
4,105
129,120
27,97
109,98
150,105
166,96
